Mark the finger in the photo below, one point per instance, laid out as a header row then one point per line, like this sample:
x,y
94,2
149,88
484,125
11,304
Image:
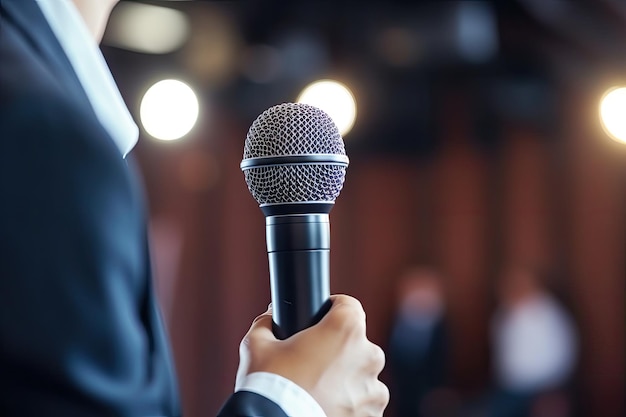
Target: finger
x,y
346,314
377,360
347,305
379,398
342,300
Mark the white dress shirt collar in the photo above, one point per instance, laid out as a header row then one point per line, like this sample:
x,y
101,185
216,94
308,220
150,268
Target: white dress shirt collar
x,y
92,71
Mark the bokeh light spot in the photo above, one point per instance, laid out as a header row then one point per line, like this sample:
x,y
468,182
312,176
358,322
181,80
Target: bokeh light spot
x,y
169,110
613,113
147,28
335,99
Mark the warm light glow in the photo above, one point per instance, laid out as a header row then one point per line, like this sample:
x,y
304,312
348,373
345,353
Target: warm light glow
x,y
169,110
613,113
147,28
335,99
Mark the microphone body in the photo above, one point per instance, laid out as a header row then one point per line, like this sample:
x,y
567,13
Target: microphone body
x,y
298,250
294,164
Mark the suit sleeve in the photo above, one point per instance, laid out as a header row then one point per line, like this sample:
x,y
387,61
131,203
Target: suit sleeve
x,y
250,404
76,336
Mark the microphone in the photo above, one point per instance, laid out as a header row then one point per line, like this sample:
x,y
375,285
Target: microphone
x,y
294,163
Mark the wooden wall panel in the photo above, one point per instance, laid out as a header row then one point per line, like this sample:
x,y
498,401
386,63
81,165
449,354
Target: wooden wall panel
x,y
462,218
396,212
597,254
527,206
384,235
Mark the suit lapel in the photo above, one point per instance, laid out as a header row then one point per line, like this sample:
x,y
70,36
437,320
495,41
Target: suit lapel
x,y
30,21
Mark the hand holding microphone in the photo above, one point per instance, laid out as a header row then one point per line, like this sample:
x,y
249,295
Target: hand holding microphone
x,y
332,360
295,165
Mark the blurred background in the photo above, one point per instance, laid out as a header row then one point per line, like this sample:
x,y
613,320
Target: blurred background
x,y
483,219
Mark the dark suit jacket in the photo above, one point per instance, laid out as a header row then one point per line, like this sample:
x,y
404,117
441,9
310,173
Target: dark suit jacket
x,y
80,331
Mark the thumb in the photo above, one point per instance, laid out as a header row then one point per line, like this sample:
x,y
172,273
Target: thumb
x,y
259,334
261,328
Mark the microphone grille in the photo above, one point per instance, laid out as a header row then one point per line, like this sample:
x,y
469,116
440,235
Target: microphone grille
x,y
294,129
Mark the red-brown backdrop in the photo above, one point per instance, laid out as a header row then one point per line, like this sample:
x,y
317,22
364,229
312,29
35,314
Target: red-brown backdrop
x,y
555,204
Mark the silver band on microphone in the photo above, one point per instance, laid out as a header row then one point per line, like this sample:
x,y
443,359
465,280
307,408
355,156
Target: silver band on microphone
x,y
269,161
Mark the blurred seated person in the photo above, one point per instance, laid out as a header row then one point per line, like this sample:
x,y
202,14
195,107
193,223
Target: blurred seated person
x,y
535,349
417,347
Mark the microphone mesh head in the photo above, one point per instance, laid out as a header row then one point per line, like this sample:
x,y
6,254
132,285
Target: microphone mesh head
x,y
294,129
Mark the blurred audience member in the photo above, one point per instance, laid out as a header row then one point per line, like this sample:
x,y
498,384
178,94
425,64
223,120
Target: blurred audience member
x,y
418,344
534,347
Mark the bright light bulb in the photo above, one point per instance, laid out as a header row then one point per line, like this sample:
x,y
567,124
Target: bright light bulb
x,y
335,99
169,110
613,113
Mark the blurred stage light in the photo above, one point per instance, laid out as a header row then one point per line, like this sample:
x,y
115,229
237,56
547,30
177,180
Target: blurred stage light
x,y
613,113
169,110
146,28
214,48
477,31
335,99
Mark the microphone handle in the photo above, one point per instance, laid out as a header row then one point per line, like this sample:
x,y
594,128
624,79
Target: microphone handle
x,y
299,259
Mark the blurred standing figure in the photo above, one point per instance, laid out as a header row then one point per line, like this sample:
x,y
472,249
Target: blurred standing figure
x,y
417,348
534,347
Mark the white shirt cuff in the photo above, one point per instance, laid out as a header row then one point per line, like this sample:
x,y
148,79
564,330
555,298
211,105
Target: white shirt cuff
x,y
294,400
